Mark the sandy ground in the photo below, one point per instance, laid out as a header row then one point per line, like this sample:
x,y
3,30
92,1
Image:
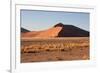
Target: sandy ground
x,y
54,49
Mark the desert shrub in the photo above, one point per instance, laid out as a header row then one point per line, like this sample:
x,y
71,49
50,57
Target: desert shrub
x,y
63,49
32,52
47,49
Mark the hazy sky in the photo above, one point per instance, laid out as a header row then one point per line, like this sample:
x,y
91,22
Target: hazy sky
x,y
41,20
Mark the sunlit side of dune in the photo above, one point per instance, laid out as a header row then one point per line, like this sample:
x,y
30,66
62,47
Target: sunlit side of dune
x,y
52,32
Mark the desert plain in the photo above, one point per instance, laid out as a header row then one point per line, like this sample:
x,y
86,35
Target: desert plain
x,y
54,49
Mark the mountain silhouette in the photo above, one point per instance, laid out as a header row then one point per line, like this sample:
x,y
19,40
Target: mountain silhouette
x,y
58,30
24,30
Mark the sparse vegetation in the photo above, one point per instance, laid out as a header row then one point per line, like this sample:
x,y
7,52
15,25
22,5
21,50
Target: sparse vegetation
x,y
72,48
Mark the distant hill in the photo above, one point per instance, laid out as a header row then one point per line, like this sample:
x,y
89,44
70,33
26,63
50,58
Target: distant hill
x,y
24,30
58,30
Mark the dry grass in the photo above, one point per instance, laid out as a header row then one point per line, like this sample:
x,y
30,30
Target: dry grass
x,y
54,49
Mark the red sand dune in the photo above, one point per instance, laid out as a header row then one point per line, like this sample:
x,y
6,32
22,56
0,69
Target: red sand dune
x,y
59,30
52,32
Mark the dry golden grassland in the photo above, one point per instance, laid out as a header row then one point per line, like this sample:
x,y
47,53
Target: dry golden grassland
x,y
54,49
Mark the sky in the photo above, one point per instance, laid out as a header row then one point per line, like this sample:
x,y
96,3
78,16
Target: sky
x,y
35,20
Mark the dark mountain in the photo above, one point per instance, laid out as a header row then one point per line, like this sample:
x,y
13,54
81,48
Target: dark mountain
x,y
24,30
71,31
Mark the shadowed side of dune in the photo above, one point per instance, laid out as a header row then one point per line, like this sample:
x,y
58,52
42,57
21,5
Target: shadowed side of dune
x,y
71,31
